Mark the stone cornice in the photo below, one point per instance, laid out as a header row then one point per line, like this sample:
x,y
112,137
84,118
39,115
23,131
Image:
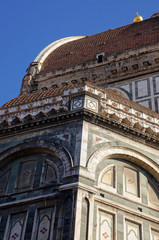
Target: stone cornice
x,y
87,102
82,115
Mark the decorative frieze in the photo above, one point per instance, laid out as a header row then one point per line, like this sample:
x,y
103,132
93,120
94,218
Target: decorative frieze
x,y
104,102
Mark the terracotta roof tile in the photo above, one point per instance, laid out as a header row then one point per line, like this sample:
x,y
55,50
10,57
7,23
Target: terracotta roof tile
x,y
59,91
112,41
23,99
138,107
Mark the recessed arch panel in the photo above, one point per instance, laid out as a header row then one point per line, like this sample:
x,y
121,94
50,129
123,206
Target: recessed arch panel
x,y
122,153
37,147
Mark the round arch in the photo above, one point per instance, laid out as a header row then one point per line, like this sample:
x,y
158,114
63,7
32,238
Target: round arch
x,y
35,147
122,153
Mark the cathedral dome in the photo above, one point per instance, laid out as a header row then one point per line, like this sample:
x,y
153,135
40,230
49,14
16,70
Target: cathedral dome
x,y
70,54
52,47
73,50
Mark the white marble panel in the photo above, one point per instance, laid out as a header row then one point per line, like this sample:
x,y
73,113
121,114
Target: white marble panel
x,y
156,84
155,235
132,231
105,226
142,88
130,181
108,177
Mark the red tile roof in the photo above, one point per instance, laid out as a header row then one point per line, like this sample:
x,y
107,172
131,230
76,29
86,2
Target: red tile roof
x,y
24,99
138,107
116,40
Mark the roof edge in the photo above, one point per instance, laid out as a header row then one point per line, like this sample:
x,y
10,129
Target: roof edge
x,y
51,47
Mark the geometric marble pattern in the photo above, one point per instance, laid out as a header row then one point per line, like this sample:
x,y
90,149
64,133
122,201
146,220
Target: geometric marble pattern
x,y
77,103
92,104
98,139
142,88
105,226
156,84
16,227
145,89
64,137
84,102
132,231
44,224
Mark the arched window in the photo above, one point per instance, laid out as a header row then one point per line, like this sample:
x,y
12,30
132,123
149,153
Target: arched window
x,y
30,177
126,193
128,180
29,172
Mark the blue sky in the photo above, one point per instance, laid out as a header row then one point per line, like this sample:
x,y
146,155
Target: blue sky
x,y
29,26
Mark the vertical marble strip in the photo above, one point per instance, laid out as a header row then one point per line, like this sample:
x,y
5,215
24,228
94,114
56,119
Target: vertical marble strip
x,y
84,220
120,180
67,218
146,231
120,225
95,222
3,223
143,188
38,171
30,222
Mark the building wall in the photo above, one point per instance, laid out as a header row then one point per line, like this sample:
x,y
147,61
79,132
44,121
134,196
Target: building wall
x,y
42,195
117,197
35,167
143,90
73,181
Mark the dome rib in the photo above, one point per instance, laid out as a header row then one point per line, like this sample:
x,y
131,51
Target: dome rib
x,y
51,47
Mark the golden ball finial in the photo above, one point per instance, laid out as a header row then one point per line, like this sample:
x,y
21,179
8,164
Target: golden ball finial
x,y
137,18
